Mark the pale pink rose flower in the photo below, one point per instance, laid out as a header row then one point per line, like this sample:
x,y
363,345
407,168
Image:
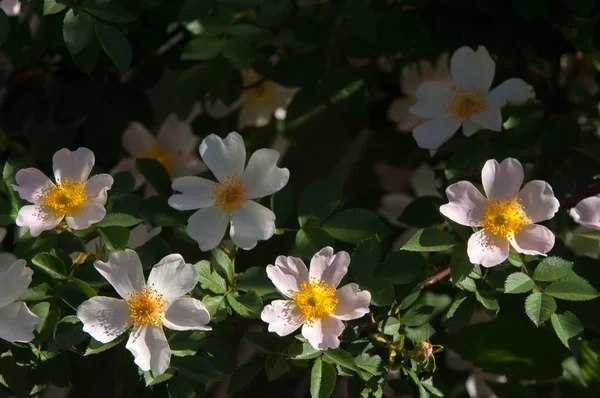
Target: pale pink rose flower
x,y
587,212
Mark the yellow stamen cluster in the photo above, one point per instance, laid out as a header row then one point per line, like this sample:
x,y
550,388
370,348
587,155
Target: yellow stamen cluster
x,y
315,299
166,158
504,216
146,307
229,193
66,196
466,102
261,93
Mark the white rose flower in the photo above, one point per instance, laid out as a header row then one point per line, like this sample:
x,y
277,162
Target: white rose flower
x,y
316,304
587,212
146,306
468,101
75,198
229,199
508,215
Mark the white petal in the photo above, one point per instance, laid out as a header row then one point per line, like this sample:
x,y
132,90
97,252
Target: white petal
x,y
224,156
323,333
150,349
250,223
432,98
487,249
352,302
141,234
398,113
469,128
31,184
502,179
176,135
172,277
123,271
17,323
12,8
104,318
533,239
96,188
74,165
188,164
433,133
6,260
467,204
491,119
422,180
138,141
392,205
86,215
14,281
207,227
218,109
587,212
187,314
538,201
287,274
195,193
37,219
262,177
329,267
129,165
472,69
511,90
283,316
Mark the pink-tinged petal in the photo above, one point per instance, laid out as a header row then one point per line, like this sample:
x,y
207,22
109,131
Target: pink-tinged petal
x,y
502,179
207,227
172,277
287,274
129,165
533,239
469,127
224,157
31,184
511,90
329,267
138,141
587,212
123,271
74,165
538,201
250,223
187,314
17,323
398,112
176,135
37,219
467,204
433,133
195,193
12,8
472,69
262,177
323,333
86,215
150,348
13,282
97,188
104,318
491,119
141,234
283,317
432,98
352,302
6,260
487,249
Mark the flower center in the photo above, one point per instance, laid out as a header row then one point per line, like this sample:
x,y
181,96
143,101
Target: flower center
x,y
263,93
146,307
166,158
229,193
66,196
315,299
466,102
505,216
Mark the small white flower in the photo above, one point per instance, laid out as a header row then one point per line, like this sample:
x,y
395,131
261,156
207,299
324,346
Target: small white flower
x,y
508,216
16,320
146,306
12,8
174,148
587,212
229,198
468,101
316,304
75,198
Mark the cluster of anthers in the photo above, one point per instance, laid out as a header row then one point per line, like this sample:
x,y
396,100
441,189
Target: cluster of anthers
x,y
229,193
166,158
504,216
315,299
146,307
66,196
466,102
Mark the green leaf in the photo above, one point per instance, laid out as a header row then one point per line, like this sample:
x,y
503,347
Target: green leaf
x,y
310,240
382,293
224,263
156,174
572,288
8,174
78,30
202,48
282,205
157,210
178,388
239,53
49,315
486,296
115,45
370,363
110,11
460,313
152,380
4,26
318,201
272,12
515,259
118,220
54,6
86,59
256,279
551,269
354,225
591,234
400,267
36,291
276,366
365,258
567,327
322,379
96,347
389,326
244,375
115,238
539,307
50,264
518,282
267,343
248,305
417,315
209,279
216,307
423,212
69,332
84,287
196,368
302,351
460,265
430,240
341,357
